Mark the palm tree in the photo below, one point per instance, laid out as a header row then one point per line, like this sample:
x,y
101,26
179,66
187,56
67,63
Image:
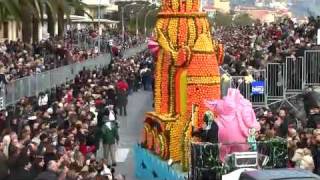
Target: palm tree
x,y
21,11
42,7
27,12
64,9
9,10
31,13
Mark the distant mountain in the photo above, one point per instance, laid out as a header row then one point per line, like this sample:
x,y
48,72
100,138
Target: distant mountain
x,y
305,7
297,7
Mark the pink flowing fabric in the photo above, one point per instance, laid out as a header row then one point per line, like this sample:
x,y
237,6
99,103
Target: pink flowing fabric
x,y
235,116
153,46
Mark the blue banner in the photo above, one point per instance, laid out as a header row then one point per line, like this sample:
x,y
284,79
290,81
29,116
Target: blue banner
x,y
257,87
151,167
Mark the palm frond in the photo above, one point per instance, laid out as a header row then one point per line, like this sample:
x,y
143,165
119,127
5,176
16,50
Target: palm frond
x,y
10,9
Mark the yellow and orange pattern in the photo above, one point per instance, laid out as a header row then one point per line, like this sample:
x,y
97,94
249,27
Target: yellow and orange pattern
x,y
186,73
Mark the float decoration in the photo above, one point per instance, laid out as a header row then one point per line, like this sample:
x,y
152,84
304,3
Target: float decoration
x,y
153,46
186,73
234,114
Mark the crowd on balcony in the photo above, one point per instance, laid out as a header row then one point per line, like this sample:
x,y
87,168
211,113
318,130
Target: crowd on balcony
x,y
254,46
59,135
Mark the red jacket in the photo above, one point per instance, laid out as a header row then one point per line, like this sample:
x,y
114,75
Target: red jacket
x,y
84,149
69,97
122,85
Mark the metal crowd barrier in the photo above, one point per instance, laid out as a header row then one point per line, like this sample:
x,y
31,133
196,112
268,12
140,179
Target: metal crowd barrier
x,y
275,81
312,67
225,83
247,89
294,75
33,85
280,79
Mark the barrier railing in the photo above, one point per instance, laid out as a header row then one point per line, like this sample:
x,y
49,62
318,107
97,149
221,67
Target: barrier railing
x,y
225,83
312,67
275,81
33,85
279,81
252,89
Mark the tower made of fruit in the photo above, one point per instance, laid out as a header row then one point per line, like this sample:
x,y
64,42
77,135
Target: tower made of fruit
x,y
186,73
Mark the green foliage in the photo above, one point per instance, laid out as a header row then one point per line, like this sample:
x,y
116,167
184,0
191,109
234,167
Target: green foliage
x,y
151,20
32,12
224,19
148,14
221,19
9,10
243,20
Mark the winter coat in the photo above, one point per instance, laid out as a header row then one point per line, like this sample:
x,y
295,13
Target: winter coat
x,y
109,136
47,175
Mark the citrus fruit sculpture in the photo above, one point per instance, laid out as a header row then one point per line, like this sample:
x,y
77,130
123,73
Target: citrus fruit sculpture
x,y
186,73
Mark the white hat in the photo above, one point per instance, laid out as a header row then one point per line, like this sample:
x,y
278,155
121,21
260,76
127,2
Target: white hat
x,y
106,171
110,87
50,110
32,118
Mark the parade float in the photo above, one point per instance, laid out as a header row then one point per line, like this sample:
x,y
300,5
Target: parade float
x,y
186,77
186,73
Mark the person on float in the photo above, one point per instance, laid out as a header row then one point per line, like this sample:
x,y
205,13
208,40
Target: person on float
x,y
209,131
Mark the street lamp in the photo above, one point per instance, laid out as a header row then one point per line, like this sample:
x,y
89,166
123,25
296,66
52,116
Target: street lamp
x,y
145,19
122,18
137,17
99,34
145,22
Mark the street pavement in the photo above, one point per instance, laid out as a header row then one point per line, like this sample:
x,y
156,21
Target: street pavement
x,y
133,51
131,129
131,125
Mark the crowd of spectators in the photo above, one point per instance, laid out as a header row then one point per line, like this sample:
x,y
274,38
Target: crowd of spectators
x,y
253,47
57,135
303,138
18,59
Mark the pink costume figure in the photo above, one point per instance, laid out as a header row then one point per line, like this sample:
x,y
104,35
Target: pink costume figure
x,y
235,116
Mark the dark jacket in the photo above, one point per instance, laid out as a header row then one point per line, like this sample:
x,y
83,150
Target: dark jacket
x,y
316,158
103,116
20,174
47,175
210,135
122,97
4,169
3,79
313,120
111,96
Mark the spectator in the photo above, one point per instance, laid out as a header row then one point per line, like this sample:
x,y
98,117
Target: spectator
x,y
52,172
110,138
122,101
